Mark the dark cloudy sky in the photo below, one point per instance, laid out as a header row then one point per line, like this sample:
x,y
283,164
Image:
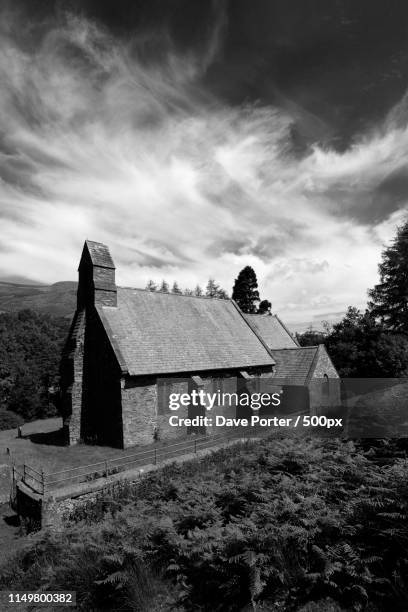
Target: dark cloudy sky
x,y
195,137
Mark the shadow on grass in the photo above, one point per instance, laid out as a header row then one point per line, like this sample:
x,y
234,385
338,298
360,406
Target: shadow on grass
x,y
12,521
51,438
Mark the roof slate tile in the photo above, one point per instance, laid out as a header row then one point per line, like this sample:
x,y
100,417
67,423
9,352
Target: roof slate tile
x,y
272,330
160,333
99,253
294,365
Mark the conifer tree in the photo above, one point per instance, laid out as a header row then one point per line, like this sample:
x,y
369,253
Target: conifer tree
x,y
176,289
214,290
245,290
151,285
389,298
222,294
164,287
198,291
211,289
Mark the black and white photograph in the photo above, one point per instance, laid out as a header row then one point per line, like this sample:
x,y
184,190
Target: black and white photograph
x,y
204,305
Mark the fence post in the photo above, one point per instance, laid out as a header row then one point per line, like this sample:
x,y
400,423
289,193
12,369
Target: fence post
x,y
195,446
43,481
106,469
155,456
24,473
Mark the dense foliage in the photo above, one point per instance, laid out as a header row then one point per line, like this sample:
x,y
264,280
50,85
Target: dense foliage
x,y
389,298
264,307
9,420
312,337
374,343
361,347
30,348
277,523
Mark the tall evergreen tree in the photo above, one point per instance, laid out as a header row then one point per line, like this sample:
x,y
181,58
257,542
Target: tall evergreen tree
x,y
245,290
211,289
151,285
176,289
389,299
198,291
164,287
214,290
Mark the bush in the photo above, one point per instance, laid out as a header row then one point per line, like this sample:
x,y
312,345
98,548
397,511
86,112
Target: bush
x,y
9,420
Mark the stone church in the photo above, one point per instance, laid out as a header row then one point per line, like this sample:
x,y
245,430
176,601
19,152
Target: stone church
x,y
128,349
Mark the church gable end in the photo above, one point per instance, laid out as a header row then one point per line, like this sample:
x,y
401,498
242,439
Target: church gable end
x,y
90,375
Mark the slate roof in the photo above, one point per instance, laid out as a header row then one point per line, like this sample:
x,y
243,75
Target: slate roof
x,y
160,333
99,254
295,365
272,330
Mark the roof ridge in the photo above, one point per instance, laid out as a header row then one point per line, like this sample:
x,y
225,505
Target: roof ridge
x,y
259,314
313,364
87,240
254,331
296,348
286,329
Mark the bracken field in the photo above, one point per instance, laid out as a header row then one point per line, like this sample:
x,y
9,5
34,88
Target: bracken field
x,y
280,524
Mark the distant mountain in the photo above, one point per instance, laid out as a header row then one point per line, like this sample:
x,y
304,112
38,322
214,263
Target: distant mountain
x,y
57,299
18,280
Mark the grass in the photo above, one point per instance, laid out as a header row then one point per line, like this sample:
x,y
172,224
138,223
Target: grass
x,y
53,457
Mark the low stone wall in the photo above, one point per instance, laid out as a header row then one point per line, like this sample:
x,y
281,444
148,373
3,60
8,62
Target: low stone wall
x,y
50,511
29,506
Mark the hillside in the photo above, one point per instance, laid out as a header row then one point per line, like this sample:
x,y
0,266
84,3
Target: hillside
x,y
282,524
58,299
30,348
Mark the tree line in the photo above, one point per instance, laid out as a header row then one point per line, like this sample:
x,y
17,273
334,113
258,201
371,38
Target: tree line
x,y
244,292
30,349
374,343
212,290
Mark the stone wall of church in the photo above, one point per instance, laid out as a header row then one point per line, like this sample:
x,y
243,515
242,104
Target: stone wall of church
x,y
101,418
139,410
71,370
324,387
324,365
145,404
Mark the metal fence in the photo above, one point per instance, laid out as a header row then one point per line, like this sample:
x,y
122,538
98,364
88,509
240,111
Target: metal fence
x,y
42,482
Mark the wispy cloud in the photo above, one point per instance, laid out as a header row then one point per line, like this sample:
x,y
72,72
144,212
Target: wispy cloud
x,y
99,141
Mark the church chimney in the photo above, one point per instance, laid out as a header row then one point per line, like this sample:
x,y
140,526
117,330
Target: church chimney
x,y
96,284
